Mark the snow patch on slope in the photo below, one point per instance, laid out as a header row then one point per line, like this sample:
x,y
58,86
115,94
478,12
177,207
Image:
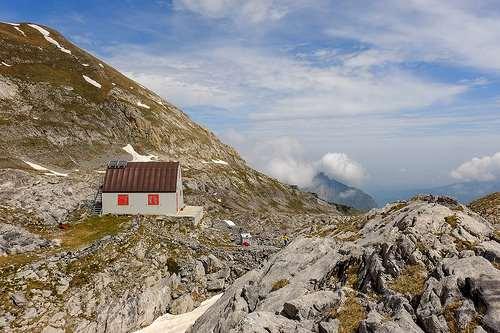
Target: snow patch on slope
x,y
49,172
136,157
19,29
92,82
220,162
169,323
51,40
142,105
230,223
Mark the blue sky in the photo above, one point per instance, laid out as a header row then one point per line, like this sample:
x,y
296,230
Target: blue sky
x,y
385,94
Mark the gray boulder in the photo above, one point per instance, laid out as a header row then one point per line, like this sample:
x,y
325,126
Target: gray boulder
x,y
182,304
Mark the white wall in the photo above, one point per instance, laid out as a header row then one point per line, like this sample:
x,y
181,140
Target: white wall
x,y
138,204
179,189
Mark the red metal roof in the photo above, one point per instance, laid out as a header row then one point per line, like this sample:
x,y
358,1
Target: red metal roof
x,y
156,177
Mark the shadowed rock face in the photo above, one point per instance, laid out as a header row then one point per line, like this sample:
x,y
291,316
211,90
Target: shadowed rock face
x,y
416,266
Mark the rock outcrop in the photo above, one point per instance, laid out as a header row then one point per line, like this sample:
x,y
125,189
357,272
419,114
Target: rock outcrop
x,y
415,266
488,207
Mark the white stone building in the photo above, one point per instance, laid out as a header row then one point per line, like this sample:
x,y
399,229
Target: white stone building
x,y
145,188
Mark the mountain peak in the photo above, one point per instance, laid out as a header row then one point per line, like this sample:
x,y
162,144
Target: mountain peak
x,y
332,190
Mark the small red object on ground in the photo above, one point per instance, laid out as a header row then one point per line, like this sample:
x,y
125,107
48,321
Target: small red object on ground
x,y
64,226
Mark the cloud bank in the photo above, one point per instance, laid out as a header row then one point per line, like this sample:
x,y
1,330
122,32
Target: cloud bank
x,y
341,167
485,168
338,166
284,158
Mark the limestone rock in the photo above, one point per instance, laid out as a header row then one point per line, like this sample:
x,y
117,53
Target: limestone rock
x,y
182,304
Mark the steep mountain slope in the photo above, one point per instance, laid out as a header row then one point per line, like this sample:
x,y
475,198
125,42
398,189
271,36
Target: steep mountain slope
x,y
424,265
63,115
488,207
65,110
332,190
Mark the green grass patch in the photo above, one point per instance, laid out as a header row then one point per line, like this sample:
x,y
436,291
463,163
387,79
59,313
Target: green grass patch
x,y
92,229
395,208
350,314
452,220
410,281
16,260
279,284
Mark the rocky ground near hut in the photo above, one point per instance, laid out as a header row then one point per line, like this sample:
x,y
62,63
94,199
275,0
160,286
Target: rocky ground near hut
x,y
426,265
64,269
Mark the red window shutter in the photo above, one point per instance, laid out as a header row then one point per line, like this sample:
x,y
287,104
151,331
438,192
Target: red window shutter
x,y
122,199
153,199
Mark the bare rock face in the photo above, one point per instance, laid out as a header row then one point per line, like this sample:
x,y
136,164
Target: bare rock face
x,y
415,266
182,305
16,240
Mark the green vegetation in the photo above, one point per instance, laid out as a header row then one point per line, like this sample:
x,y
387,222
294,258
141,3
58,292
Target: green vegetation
x,y
489,202
395,208
410,281
450,315
296,204
86,267
16,260
350,314
92,229
464,244
279,284
352,275
452,220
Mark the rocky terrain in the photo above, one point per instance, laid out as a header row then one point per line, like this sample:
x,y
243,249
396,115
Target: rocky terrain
x,y
332,190
488,207
425,265
63,115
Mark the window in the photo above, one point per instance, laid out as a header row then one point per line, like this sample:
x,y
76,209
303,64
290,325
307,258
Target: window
x,y
122,199
153,199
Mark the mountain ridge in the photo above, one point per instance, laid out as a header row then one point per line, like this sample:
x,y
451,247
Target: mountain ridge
x,y
332,190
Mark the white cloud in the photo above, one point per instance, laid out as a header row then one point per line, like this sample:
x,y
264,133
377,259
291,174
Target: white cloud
x,y
253,11
479,168
284,158
339,166
464,32
267,86
291,171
